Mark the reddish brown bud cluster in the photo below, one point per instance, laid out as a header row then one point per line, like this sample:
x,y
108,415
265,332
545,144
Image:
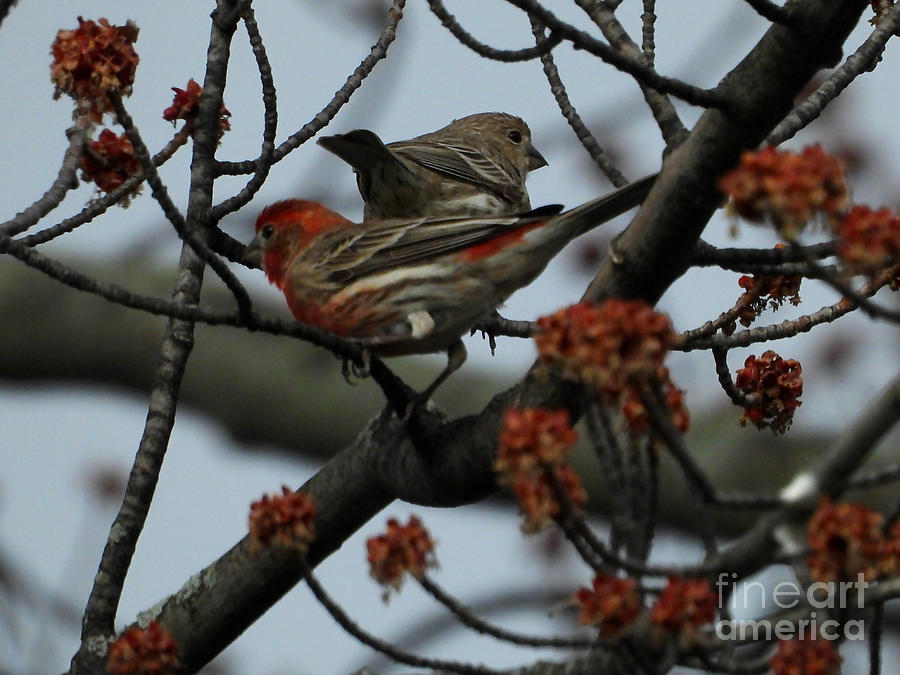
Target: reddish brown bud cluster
x,y
402,549
606,346
611,604
531,458
613,348
848,539
288,519
537,495
109,161
635,412
532,437
185,103
143,651
868,240
763,291
805,657
684,606
93,60
786,188
774,386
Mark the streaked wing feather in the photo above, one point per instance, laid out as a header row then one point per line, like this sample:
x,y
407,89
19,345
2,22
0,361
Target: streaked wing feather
x,y
462,163
374,250
360,243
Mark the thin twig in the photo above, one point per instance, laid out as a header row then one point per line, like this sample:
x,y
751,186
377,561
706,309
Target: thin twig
x,y
664,112
270,122
326,114
858,299
785,329
661,422
694,95
648,32
467,39
874,626
636,478
99,206
774,13
468,618
746,259
862,60
582,133
498,325
386,648
65,180
161,195
704,491
738,398
726,318
651,496
875,478
100,612
393,388
609,455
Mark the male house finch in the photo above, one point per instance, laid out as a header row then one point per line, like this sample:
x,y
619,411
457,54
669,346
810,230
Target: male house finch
x,y
474,166
414,286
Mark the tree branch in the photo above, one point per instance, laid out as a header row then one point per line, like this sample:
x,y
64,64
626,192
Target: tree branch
x,y
324,116
98,625
65,180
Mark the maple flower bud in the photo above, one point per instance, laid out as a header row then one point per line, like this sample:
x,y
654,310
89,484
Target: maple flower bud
x,y
92,61
287,519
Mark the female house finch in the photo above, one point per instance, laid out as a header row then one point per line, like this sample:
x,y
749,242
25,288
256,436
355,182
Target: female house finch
x,y
474,166
414,286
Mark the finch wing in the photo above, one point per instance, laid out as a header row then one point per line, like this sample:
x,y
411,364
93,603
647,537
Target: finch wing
x,y
387,245
461,162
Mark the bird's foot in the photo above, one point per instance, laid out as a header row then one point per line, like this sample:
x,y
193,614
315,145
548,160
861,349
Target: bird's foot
x,y
353,370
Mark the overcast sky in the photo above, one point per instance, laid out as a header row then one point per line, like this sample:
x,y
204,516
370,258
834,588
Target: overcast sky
x,y
49,435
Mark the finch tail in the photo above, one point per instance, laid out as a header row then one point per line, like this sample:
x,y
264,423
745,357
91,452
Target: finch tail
x,y
360,148
594,213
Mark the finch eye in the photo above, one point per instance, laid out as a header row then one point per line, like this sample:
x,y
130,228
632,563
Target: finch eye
x,y
267,231
515,136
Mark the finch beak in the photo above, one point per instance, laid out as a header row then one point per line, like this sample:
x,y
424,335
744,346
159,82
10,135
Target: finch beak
x,y
535,159
253,253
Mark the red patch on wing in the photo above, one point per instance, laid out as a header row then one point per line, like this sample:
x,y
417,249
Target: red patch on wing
x,y
492,246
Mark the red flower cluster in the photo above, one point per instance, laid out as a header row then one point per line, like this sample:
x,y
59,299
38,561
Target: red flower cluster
x,y
606,346
288,518
785,187
109,161
611,604
774,384
613,348
403,548
92,61
762,291
532,437
537,496
805,657
635,412
185,103
868,240
533,442
684,606
848,539
143,651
